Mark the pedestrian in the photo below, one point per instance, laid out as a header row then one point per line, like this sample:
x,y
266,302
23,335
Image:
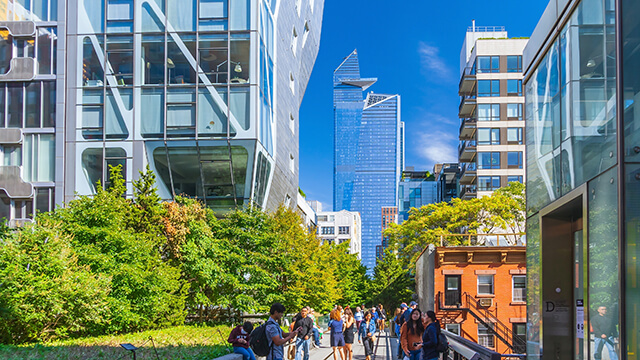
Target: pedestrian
x,y
239,339
337,337
382,317
315,329
396,327
358,316
375,317
604,331
275,336
430,337
349,333
399,321
407,313
411,335
304,325
366,333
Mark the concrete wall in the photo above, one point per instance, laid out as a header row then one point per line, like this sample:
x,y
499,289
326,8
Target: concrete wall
x,y
425,267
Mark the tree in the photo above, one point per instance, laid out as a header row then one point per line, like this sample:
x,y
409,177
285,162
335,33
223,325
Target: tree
x,y
392,283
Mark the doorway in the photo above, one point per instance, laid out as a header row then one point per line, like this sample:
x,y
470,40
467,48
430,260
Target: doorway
x,y
452,291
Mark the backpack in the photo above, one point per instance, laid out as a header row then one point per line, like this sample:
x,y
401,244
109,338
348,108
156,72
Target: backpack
x,y
259,341
400,319
443,343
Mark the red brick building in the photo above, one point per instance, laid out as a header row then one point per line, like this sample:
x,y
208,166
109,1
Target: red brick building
x,y
478,292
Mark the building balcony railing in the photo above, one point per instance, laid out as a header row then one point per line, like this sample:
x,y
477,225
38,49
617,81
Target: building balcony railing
x,y
469,173
467,150
467,83
467,128
467,106
468,192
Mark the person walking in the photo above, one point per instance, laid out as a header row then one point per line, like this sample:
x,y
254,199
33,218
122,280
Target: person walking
x,y
315,330
239,339
337,337
411,334
382,317
430,337
366,332
349,333
358,316
304,324
396,327
604,331
399,322
407,313
275,337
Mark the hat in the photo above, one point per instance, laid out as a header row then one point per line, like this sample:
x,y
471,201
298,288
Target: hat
x,y
403,306
413,303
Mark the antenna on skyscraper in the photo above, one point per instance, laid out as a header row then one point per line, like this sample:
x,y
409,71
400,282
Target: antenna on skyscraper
x,y
473,25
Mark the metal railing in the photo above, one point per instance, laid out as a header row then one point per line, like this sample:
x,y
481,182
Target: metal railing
x,y
485,28
461,348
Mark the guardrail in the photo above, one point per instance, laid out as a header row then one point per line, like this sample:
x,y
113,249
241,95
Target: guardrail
x,y
462,348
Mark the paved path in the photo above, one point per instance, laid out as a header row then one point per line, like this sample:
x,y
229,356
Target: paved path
x,y
385,346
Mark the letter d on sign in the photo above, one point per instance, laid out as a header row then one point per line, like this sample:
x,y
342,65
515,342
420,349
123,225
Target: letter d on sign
x,y
550,306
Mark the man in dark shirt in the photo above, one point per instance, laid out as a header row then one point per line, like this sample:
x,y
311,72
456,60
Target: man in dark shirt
x,y
305,326
604,331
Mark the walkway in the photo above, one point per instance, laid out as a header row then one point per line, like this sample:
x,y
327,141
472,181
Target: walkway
x,y
383,349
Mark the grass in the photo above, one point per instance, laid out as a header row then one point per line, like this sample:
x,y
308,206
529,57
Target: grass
x,y
180,342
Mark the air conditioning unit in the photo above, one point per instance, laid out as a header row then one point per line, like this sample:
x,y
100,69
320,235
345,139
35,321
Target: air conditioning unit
x,y
485,302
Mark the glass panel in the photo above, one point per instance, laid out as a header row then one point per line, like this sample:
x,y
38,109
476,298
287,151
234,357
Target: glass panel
x,y
12,155
211,120
240,105
239,15
153,57
185,171
181,15
40,10
603,282
263,171
92,73
179,53
15,102
95,12
92,114
120,16
114,157
48,103
120,57
150,16
42,200
6,50
5,206
239,54
32,105
28,157
45,37
181,112
117,105
152,118
46,158
213,57
92,162
213,9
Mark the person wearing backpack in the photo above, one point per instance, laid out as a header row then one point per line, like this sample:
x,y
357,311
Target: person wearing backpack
x,y
239,338
411,334
269,339
430,338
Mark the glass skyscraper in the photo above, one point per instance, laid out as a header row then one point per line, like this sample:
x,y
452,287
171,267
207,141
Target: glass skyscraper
x,y
367,151
201,91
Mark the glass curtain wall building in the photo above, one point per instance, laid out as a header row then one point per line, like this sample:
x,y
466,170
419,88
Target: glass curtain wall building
x,y
204,92
367,151
416,189
582,83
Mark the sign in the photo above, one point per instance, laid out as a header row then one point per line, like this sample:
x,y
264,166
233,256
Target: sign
x,y
580,319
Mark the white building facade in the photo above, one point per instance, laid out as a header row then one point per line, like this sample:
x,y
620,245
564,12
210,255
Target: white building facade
x,y
338,227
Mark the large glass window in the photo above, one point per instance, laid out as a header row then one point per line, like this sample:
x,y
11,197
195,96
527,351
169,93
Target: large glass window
x,y
514,63
92,73
6,50
181,112
514,87
514,136
46,54
487,64
488,112
514,111
180,51
39,158
488,88
153,58
152,118
488,136
181,14
120,56
514,159
120,16
92,113
15,103
213,15
97,163
214,60
32,104
488,183
488,160
239,59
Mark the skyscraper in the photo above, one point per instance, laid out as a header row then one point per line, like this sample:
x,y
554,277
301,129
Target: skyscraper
x,y
367,151
205,92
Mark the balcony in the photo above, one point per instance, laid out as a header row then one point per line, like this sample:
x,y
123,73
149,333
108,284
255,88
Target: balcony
x,y
468,192
469,173
467,128
467,150
467,106
467,82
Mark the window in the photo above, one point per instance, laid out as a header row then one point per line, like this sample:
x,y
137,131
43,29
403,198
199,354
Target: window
x,y
514,136
38,157
322,217
485,284
213,15
514,87
519,293
294,42
514,159
514,111
514,63
328,230
487,64
343,230
488,160
120,16
11,155
305,34
454,328
485,336
292,123
488,112
488,136
488,183
292,83
514,178
292,163
489,88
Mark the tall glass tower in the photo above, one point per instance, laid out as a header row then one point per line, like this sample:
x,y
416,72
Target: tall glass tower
x,y
204,92
368,151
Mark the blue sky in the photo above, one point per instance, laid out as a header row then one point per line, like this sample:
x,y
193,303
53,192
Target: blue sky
x,y
413,48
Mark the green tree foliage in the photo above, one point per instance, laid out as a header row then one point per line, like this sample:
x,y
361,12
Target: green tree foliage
x,y
504,210
107,264
392,283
